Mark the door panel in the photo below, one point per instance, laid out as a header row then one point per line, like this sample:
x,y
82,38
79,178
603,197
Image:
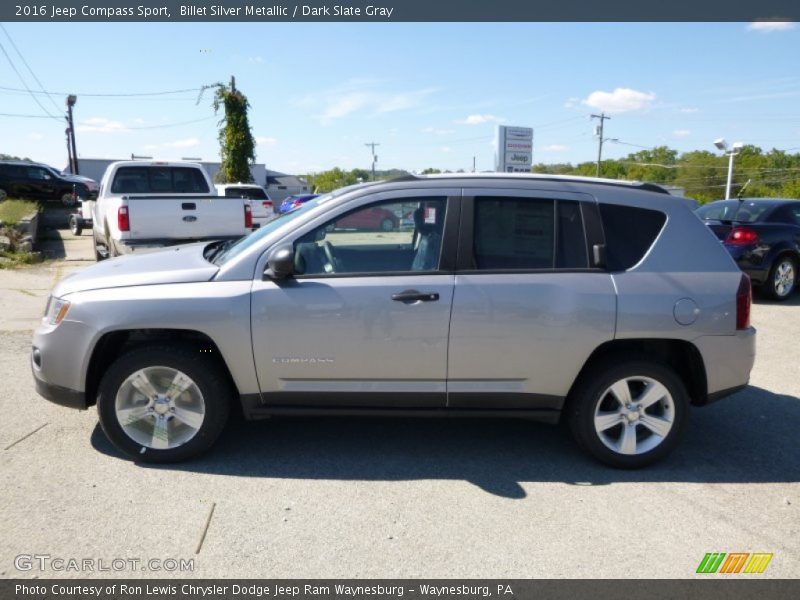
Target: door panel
x,y
344,341
519,340
527,308
363,322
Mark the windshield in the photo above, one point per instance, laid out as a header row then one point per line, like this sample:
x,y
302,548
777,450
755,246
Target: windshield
x,y
229,250
742,211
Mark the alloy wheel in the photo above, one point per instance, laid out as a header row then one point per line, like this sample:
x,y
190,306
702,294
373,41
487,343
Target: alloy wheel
x,y
784,279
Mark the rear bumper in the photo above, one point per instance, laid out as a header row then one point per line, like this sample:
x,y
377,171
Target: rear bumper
x,y
728,360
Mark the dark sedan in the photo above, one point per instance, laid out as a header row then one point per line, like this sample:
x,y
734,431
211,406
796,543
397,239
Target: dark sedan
x,y
763,237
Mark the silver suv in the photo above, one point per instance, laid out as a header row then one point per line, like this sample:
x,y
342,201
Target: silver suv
x,y
607,304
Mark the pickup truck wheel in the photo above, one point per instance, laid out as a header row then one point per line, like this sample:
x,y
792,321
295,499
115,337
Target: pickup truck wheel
x,y
163,404
629,414
782,279
75,225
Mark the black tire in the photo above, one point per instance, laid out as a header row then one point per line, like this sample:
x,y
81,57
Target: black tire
x,y
590,391
387,224
203,370
771,288
75,225
3,194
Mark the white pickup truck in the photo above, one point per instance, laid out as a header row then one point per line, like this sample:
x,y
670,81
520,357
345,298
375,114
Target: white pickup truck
x,y
143,205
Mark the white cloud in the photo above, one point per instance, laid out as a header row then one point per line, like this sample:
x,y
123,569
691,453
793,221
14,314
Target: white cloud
x,y
101,125
620,100
480,119
361,96
445,149
681,133
571,102
186,143
556,148
265,141
770,26
690,109
436,131
255,59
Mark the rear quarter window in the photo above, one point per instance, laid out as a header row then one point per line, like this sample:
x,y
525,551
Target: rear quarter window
x,y
629,233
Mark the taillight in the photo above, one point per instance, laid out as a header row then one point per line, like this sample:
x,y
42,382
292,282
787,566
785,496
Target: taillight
x,y
742,236
267,204
248,217
744,299
123,221
296,203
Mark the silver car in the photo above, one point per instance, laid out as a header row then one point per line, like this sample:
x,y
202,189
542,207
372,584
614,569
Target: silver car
x,y
604,303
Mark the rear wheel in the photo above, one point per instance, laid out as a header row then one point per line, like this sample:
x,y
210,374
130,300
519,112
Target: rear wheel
x,y
68,199
629,414
782,279
75,226
98,256
163,404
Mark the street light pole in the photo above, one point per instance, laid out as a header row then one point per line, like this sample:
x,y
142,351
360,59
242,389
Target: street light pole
x,y
730,175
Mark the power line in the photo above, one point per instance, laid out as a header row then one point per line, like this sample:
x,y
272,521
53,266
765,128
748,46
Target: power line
x,y
27,116
22,79
96,95
27,66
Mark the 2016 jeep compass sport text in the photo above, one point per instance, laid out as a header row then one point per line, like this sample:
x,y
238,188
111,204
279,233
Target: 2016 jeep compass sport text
x,y
607,304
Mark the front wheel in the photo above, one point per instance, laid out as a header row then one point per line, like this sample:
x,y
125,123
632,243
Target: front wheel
x,y
163,404
782,279
629,414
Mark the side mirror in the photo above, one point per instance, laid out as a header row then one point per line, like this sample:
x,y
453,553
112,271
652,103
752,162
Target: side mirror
x,y
280,263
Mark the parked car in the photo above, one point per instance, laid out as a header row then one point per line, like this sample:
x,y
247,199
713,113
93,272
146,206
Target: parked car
x,y
376,218
24,179
144,205
292,202
92,185
763,237
259,201
600,302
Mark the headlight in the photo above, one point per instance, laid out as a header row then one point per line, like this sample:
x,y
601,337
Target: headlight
x,y
56,310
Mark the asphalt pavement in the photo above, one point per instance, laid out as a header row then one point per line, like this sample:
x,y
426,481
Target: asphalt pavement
x,y
345,497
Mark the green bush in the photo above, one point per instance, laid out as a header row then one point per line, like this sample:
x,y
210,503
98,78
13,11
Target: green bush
x,y
12,211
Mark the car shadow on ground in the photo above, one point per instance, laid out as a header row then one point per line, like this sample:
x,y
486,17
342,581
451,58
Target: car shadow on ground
x,y
747,438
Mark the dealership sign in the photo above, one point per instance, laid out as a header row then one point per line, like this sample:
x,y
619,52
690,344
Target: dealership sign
x,y
514,149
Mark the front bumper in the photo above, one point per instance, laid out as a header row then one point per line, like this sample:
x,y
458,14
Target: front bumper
x,y
57,394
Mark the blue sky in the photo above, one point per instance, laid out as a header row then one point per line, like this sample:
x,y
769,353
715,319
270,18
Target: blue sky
x,y
431,94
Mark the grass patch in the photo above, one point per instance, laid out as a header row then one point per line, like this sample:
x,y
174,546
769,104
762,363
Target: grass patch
x,y
9,260
12,211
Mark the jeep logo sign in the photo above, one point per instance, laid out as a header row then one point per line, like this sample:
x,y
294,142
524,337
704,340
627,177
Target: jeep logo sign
x,y
514,149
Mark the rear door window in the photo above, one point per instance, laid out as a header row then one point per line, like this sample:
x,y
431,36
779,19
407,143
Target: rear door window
x,y
513,233
629,233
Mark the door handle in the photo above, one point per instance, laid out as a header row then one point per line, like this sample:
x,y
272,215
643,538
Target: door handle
x,y
411,296
188,206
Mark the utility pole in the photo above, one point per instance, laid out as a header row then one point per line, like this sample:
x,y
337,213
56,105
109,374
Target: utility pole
x,y
371,146
71,100
233,84
473,164
602,116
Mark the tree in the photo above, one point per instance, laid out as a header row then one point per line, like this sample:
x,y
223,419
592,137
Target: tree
x,y
237,148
